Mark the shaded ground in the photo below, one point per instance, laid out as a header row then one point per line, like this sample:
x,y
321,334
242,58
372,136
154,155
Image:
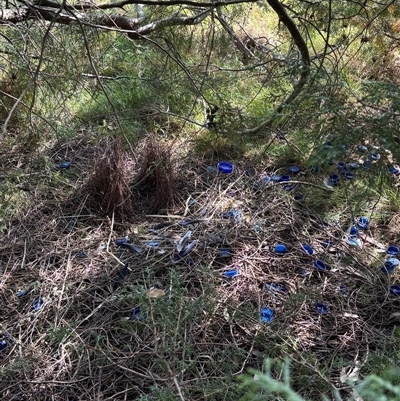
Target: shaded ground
x,y
113,323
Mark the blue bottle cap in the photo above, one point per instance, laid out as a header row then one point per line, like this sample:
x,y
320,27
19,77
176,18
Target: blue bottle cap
x,y
230,273
294,169
363,222
395,289
225,167
392,250
266,315
65,165
362,148
353,231
333,180
319,265
393,170
367,164
341,166
321,308
280,249
375,156
307,249
276,178
390,265
285,178
348,175
354,166
354,241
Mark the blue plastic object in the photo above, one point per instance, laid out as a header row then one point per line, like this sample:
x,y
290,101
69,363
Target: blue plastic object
x,y
225,167
333,180
65,165
321,308
390,265
348,175
393,170
285,178
275,287
319,265
354,166
137,314
307,249
3,345
230,273
276,177
298,197
343,289
392,250
224,253
37,304
395,290
294,169
353,231
81,254
362,148
267,179
266,315
280,249
375,156
341,166
363,223
367,164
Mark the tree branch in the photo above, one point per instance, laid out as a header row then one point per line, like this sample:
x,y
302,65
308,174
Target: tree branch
x,y
305,60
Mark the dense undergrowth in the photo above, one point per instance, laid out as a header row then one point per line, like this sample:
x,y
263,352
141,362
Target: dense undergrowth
x,y
143,126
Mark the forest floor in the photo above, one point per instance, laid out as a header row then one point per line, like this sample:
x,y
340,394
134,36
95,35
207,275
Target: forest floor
x,y
177,303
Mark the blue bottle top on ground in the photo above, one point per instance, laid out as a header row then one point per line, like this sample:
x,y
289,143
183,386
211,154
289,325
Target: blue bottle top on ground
x,y
266,315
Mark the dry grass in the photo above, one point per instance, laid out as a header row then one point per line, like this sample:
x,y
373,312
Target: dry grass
x,y
84,343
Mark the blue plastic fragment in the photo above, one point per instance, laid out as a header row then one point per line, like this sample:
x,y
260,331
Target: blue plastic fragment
x,y
348,175
275,287
333,180
266,315
362,148
363,222
37,304
394,170
392,250
3,345
153,244
224,253
65,165
354,166
321,308
185,251
353,231
232,213
341,166
390,265
137,314
294,169
285,178
267,179
307,249
319,265
81,254
395,290
230,273
375,156
288,187
280,249
276,177
367,164
21,293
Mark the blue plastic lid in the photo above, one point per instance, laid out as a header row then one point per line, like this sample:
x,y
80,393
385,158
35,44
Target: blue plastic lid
x,y
390,265
276,178
353,231
392,250
321,308
37,304
280,249
362,148
395,289
224,253
393,170
348,175
375,156
81,254
65,165
285,178
266,315
294,169
367,164
3,345
225,167
354,166
307,249
363,222
230,273
341,166
319,265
